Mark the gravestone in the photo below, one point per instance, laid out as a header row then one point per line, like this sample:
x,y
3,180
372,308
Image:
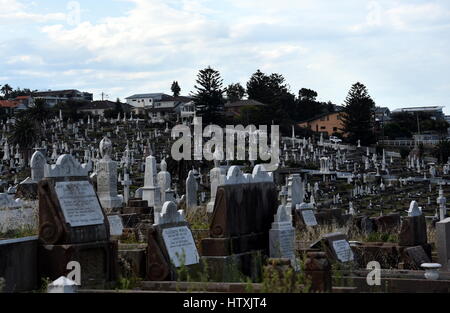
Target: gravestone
x,y
336,246
282,236
413,229
37,165
296,192
191,192
107,178
164,183
416,256
239,226
443,243
151,192
115,225
73,226
170,245
216,179
305,212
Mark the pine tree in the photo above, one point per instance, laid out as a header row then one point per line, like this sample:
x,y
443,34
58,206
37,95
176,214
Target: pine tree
x,y
358,118
176,89
209,96
235,92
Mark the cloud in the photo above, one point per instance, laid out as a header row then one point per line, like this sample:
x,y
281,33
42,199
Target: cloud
x,y
14,11
396,48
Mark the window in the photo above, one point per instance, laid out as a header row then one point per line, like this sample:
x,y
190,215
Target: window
x,y
328,117
323,127
335,129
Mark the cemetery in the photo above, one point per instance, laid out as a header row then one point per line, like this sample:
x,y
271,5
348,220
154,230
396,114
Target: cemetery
x,y
100,205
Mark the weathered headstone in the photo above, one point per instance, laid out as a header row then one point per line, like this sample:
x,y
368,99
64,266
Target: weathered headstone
x,y
170,244
191,192
37,165
306,212
73,225
115,225
337,247
282,235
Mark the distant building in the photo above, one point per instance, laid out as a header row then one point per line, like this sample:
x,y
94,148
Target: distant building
x,y
382,115
100,107
435,111
11,106
233,109
328,123
27,101
54,97
159,106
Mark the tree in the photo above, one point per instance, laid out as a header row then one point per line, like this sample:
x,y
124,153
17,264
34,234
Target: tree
x,y
40,111
357,116
307,95
175,89
266,89
26,132
209,95
235,92
6,90
307,107
442,151
273,91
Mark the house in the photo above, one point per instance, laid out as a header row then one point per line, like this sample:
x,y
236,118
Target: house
x,y
435,111
382,115
27,101
54,97
233,109
11,106
329,123
99,107
159,106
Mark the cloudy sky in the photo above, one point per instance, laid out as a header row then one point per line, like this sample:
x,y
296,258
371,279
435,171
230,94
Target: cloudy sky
x,y
399,49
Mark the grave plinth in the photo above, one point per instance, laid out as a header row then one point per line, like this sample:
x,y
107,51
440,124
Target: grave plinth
x,y
239,229
318,271
98,262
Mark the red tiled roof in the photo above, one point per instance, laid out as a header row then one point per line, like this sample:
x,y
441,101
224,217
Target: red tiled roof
x,y
8,104
22,97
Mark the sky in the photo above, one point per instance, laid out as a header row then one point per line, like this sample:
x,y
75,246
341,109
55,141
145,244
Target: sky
x,y
399,49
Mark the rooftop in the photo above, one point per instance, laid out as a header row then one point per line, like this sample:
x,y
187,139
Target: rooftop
x,y
8,104
419,109
242,103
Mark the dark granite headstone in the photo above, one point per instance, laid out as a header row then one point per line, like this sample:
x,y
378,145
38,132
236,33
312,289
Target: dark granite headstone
x,y
416,256
413,231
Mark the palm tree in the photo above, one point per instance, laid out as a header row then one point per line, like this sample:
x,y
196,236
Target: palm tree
x,y
26,132
6,90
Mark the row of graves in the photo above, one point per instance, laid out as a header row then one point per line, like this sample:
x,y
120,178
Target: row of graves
x,y
325,217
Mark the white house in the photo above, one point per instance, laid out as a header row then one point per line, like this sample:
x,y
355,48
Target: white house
x,y
158,106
